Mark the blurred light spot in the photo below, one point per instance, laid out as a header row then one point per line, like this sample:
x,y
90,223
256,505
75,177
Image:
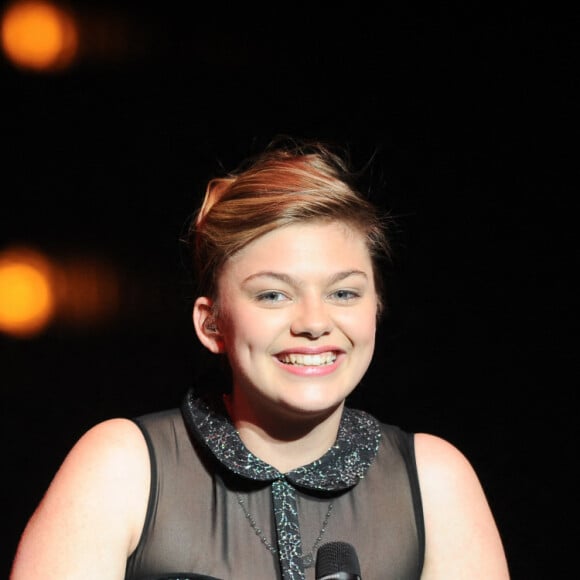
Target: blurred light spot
x,y
39,35
78,293
26,292
87,293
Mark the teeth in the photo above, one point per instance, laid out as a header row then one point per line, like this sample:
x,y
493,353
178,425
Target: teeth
x,y
314,360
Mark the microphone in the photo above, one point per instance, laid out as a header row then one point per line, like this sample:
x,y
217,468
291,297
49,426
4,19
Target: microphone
x,y
337,561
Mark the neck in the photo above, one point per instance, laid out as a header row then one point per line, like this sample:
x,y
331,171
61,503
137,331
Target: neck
x,y
284,442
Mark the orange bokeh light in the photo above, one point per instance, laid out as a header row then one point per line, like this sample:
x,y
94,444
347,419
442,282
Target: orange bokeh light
x,y
39,35
26,293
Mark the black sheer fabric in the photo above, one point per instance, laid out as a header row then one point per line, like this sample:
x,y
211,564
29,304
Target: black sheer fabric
x,y
196,527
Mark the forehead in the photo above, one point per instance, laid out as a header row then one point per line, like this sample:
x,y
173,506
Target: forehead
x,y
304,249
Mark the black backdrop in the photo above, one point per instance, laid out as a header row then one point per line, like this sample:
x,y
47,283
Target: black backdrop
x,y
467,112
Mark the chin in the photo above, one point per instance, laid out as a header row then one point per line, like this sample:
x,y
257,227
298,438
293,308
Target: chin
x,y
312,404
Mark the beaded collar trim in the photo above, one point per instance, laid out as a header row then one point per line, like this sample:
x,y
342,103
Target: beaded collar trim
x,y
339,468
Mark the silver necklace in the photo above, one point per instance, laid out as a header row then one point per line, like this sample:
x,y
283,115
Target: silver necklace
x,y
308,559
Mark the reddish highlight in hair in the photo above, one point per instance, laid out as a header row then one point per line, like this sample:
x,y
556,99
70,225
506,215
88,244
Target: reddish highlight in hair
x,y
284,185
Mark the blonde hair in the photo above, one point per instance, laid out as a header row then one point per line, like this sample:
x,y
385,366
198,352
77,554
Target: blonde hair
x,y
284,185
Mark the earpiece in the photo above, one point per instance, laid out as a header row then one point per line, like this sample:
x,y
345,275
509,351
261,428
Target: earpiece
x,y
210,324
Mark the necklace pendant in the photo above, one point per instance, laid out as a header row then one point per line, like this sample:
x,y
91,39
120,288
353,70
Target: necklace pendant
x,y
308,561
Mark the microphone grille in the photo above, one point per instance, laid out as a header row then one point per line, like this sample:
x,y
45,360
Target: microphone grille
x,y
334,557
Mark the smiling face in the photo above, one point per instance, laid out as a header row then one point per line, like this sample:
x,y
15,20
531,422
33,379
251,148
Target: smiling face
x,y
296,317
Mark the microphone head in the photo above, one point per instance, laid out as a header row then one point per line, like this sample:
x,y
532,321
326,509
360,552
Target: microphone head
x,y
337,560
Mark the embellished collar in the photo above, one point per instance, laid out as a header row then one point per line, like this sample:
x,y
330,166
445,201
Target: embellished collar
x,y
341,467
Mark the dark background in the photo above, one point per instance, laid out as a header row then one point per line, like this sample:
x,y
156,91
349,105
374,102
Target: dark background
x,y
467,110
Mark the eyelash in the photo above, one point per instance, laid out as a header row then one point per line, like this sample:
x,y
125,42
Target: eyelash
x,y
345,295
271,296
274,296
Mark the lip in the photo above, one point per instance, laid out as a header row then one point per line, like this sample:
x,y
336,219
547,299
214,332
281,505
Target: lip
x,y
310,371
310,350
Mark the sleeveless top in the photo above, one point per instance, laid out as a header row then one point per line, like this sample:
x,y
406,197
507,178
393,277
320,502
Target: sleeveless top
x,y
216,511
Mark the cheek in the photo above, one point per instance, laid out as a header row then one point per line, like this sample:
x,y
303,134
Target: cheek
x,y
248,328
366,337
360,327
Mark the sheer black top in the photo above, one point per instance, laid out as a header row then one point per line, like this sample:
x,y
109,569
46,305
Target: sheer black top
x,y
217,511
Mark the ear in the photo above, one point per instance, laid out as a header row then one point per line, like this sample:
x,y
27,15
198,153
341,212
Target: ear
x,y
205,324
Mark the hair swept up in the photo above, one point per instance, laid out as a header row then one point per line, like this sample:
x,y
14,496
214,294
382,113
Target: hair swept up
x,y
289,182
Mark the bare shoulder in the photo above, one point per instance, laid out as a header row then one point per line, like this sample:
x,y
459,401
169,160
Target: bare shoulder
x,y
462,539
114,440
111,459
437,458
95,505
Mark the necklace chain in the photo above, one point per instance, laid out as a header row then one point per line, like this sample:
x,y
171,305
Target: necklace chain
x,y
308,559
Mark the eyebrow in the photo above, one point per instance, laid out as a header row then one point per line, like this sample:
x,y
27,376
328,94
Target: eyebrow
x,y
339,276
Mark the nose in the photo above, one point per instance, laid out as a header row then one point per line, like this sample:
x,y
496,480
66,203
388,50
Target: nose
x,y
312,318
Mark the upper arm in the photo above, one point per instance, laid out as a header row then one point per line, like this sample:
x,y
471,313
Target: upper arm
x,y
461,538
92,514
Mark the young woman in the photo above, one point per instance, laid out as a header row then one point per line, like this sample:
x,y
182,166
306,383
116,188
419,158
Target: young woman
x,y
247,480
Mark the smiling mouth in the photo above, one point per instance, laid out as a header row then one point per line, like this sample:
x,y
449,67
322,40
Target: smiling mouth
x,y
308,360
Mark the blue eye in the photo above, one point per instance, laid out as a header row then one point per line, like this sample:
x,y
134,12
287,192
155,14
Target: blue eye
x,y
345,295
271,296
